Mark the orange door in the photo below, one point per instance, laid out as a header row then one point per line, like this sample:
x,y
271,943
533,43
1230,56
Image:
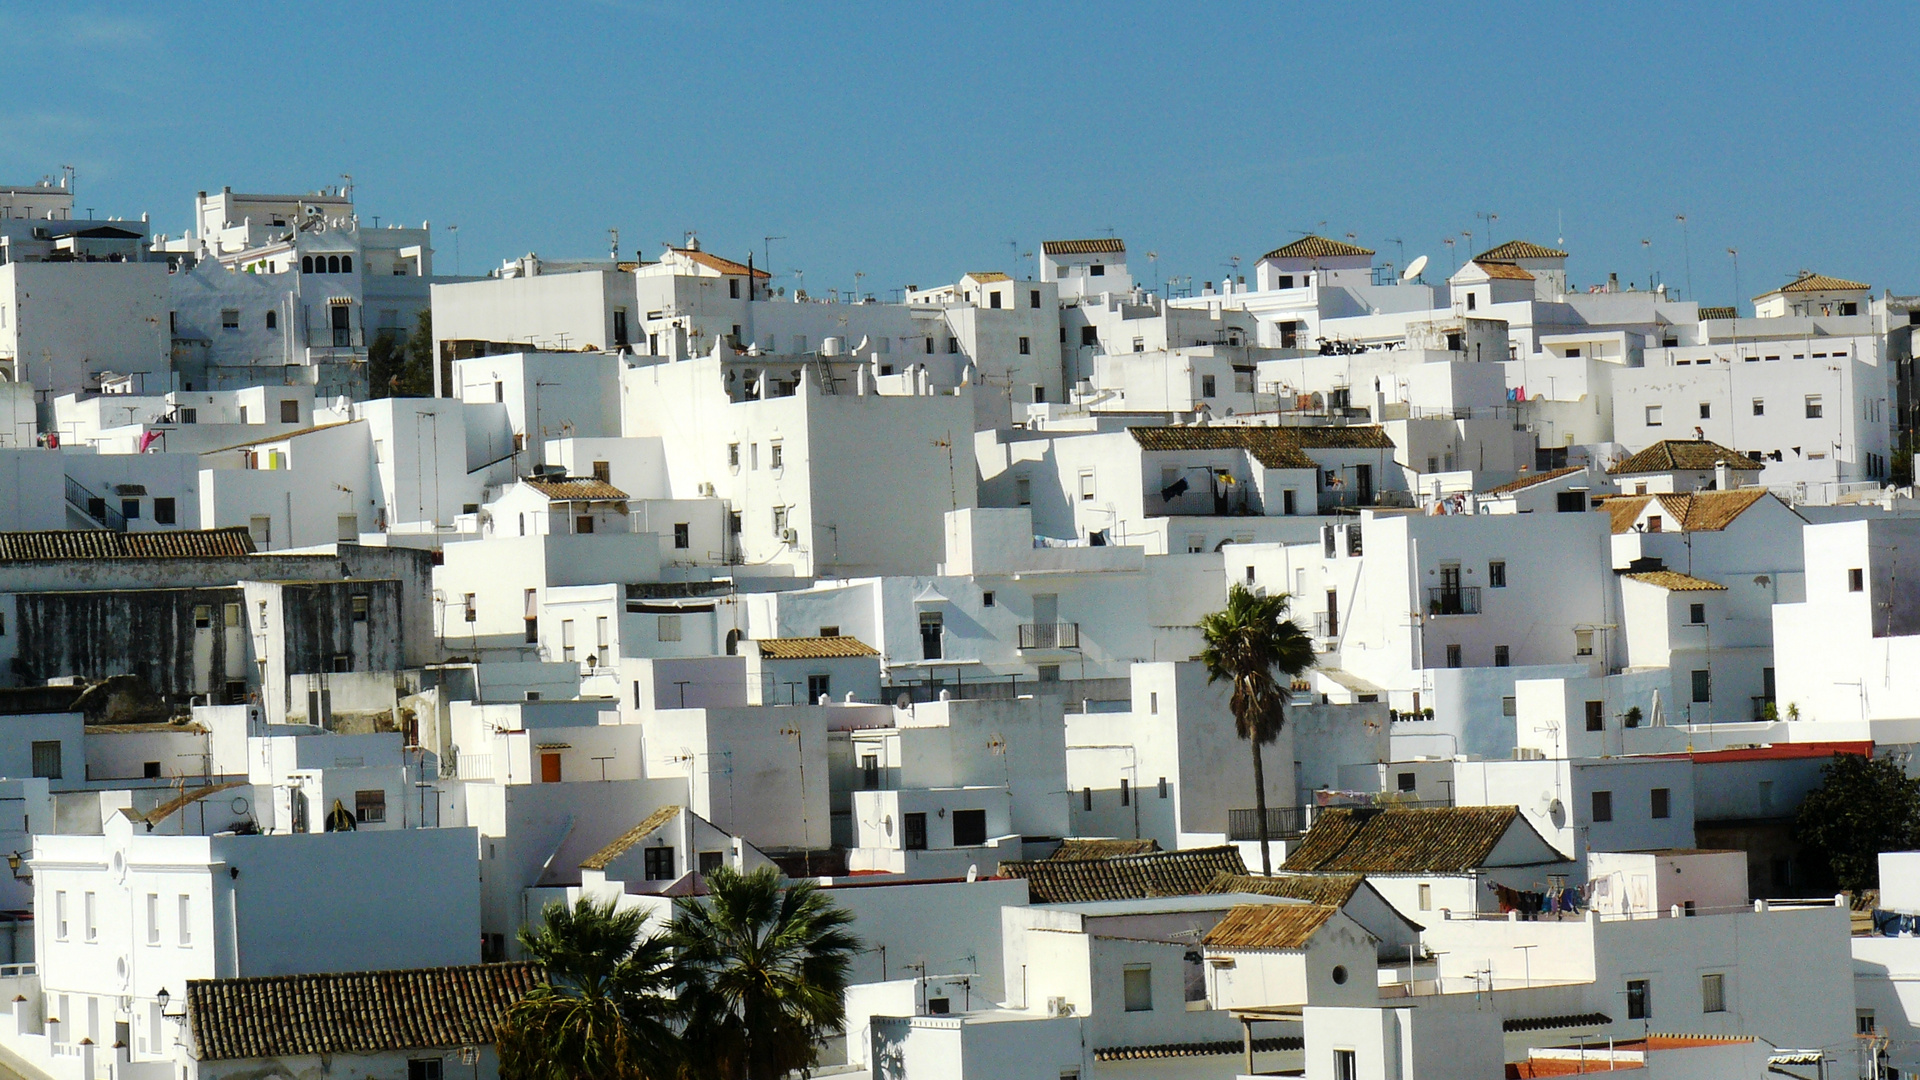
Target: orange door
x,y
549,768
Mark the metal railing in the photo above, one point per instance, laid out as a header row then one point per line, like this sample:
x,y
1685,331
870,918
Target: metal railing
x,y
1054,635
1281,821
95,507
1455,600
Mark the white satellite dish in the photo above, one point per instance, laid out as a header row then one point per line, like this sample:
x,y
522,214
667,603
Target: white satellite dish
x,y
1413,268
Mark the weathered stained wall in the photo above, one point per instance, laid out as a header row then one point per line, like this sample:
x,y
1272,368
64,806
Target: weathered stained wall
x,y
149,633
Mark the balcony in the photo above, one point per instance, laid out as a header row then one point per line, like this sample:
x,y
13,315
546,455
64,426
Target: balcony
x,y
1455,600
1282,821
1053,635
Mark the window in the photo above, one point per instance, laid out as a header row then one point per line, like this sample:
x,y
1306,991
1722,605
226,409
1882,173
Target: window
x,y
1596,716
1472,301
1814,409
1162,787
185,920
953,345
46,759
1086,798
1702,685
289,412
359,609
669,628
229,318
1426,898
1086,486
993,300
1603,806
1026,346
1137,984
1497,574
1405,781
60,915
1706,410
1759,406
163,511
780,522
733,455
1333,613
1023,491
870,772
1662,803
969,828
1206,386
1089,335
682,540
819,686
423,1069
1653,416
1346,1064
1501,657
202,616
1509,706
733,288
370,807
91,910
1453,656
130,508
342,662
1639,999
659,863
1126,793
931,623
1713,993
1153,703
532,615
1583,643
986,600
776,455
583,524
1863,1022
1856,580
469,610
153,918
1096,270
834,631
914,831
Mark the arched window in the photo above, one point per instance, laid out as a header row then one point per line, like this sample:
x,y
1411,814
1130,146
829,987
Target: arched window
x,y
346,264
306,264
733,643
273,319
333,264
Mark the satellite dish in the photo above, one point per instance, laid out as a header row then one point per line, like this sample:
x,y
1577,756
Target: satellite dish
x,y
1413,268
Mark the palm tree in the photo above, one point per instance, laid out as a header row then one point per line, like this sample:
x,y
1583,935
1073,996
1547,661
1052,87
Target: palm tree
x,y
605,1008
762,970
1246,643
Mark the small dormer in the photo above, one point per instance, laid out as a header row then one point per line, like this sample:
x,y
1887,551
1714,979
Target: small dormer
x,y
1478,286
1086,267
1547,265
1313,260
988,289
1813,295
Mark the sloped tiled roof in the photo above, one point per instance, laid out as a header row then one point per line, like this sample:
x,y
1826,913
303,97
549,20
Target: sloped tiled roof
x,y
1082,247
103,544
625,841
1531,479
1518,249
574,488
1133,877
1548,1023
1718,312
814,648
1273,447
362,1012
1711,511
1625,510
1503,271
1685,455
1675,581
989,276
1333,889
1315,247
1269,926
1219,1048
1811,282
1442,840
717,264
1103,849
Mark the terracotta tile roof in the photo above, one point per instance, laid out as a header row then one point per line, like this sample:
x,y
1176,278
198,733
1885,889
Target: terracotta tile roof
x,y
102,544
1711,511
1536,1067
1269,926
1625,510
353,1013
1132,877
1811,282
1685,455
1519,249
1549,1023
989,276
1531,479
1103,849
1273,447
625,841
1197,1049
814,648
1503,271
1705,313
1440,840
574,488
1315,247
1330,889
1675,581
1082,247
716,263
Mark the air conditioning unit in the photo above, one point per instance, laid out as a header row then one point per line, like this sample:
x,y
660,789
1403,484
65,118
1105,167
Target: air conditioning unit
x,y
1058,1005
789,535
706,489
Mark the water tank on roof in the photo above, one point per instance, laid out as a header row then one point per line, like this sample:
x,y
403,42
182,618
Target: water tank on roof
x,y
832,346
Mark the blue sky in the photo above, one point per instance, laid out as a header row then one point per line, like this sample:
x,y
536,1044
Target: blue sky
x,y
912,143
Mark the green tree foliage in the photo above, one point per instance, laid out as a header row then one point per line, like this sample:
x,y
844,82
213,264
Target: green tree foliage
x,y
742,986
605,1009
401,365
762,970
1863,806
1246,643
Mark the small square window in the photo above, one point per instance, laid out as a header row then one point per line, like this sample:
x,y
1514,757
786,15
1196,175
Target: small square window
x,y
1856,580
1603,806
229,318
986,598
1706,410
1697,614
370,807
1501,657
1713,993
1026,346
1137,986
1453,656
1653,416
1497,574
163,511
1759,406
1662,803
